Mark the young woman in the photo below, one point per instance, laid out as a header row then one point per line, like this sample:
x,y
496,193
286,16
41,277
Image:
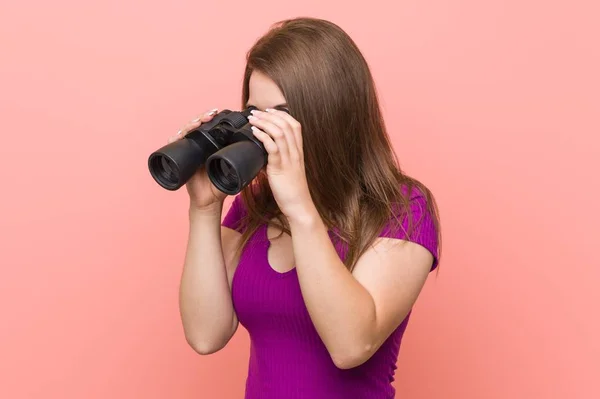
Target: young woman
x,y
322,257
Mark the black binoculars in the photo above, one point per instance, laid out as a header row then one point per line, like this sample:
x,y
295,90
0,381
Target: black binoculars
x,y
226,147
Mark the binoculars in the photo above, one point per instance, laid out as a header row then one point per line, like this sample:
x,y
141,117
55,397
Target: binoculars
x,y
225,146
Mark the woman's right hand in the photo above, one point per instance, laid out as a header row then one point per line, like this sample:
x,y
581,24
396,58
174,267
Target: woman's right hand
x,y
203,194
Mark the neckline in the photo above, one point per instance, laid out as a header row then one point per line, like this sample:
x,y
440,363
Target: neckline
x,y
266,253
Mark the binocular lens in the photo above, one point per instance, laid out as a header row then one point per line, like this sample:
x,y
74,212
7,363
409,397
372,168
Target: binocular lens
x,y
174,164
224,176
164,171
169,169
234,166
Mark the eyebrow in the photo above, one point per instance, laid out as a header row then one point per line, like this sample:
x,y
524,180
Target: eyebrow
x,y
283,105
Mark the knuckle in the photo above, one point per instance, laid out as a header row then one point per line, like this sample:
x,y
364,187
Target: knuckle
x,y
277,133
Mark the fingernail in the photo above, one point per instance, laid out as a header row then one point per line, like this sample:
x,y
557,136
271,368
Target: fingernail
x,y
213,111
269,110
250,117
196,120
179,133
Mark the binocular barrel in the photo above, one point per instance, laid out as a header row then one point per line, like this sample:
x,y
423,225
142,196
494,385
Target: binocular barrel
x,y
225,147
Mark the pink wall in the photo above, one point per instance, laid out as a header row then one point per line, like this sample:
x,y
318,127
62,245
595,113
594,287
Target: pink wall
x,y
493,104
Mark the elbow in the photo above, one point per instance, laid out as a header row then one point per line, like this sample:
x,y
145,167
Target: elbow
x,y
349,358
203,347
207,343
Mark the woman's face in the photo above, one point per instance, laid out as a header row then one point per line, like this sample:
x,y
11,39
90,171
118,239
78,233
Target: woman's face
x,y
264,93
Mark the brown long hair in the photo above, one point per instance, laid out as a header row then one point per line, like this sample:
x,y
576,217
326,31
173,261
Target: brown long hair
x,y
352,171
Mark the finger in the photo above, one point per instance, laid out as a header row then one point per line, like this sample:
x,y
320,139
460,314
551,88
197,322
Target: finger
x,y
206,117
294,124
274,131
274,156
276,118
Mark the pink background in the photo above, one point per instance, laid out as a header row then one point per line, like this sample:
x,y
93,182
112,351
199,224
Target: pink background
x,y
493,104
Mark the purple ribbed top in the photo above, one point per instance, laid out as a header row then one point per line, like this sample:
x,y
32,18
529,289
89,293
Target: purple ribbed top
x,y
288,360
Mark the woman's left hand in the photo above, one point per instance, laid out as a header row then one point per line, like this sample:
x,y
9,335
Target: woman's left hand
x,y
281,135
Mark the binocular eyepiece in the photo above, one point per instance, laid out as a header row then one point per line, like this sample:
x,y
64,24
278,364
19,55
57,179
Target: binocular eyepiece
x,y
225,146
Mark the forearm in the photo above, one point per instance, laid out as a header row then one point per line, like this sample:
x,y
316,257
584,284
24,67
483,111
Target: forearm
x,y
341,309
205,298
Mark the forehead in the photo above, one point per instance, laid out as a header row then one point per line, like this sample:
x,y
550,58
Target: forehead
x,y
263,92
